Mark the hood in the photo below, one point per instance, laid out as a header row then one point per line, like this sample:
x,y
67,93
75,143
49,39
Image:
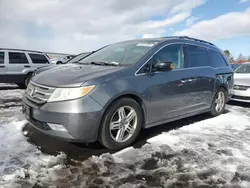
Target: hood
x,y
44,68
72,75
241,79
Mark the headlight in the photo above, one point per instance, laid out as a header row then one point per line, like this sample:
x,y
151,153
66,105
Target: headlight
x,y
62,94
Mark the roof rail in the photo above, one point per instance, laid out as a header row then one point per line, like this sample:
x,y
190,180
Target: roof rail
x,y
198,40
189,38
20,50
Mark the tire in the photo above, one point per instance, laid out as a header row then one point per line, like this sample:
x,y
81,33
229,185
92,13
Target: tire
x,y
59,62
215,111
27,79
108,136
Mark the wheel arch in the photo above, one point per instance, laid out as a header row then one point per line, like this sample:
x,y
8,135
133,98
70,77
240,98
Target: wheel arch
x,y
225,87
223,81
133,96
59,62
28,74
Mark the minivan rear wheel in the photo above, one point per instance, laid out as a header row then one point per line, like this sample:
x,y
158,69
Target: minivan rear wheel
x,y
121,124
219,102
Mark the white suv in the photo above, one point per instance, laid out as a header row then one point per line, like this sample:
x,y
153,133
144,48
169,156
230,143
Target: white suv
x,y
17,66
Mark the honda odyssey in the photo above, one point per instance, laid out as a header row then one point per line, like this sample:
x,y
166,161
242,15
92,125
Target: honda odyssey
x,y
113,93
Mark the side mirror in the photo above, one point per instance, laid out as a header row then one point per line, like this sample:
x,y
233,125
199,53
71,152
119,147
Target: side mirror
x,y
163,66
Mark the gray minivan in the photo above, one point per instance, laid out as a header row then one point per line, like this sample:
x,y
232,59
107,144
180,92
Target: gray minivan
x,y
113,93
17,66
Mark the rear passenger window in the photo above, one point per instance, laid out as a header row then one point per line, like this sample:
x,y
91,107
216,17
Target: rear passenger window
x,y
38,59
198,56
17,58
1,57
216,60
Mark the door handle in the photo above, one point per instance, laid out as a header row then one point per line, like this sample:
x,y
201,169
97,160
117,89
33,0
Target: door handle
x,y
191,79
2,66
184,81
188,80
26,66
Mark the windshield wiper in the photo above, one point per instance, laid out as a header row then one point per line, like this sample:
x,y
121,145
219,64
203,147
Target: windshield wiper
x,y
104,63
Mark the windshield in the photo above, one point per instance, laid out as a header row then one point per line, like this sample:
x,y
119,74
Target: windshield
x,y
78,57
124,53
244,68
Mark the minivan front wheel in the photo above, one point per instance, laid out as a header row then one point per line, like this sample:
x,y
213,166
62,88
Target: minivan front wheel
x,y
219,102
121,124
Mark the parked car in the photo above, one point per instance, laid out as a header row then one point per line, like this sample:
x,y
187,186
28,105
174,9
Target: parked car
x,y
53,60
234,65
78,57
64,59
51,66
17,66
241,90
116,91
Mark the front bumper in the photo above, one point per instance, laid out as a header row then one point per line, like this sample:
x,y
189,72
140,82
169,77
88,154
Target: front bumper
x,y
80,118
241,95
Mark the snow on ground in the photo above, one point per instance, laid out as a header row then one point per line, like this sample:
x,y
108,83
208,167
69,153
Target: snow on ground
x,y
11,96
18,156
211,153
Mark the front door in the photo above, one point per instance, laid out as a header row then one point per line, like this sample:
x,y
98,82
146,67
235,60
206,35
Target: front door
x,y
169,91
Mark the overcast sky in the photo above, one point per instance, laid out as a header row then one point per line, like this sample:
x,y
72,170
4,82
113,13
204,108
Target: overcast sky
x,y
74,26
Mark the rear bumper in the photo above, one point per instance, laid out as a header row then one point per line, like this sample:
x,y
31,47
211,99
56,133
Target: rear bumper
x,y
80,119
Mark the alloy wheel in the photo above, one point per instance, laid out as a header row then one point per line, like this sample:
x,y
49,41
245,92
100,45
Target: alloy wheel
x,y
123,124
219,101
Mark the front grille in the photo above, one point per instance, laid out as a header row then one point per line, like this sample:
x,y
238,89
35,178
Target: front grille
x,y
240,87
38,93
240,97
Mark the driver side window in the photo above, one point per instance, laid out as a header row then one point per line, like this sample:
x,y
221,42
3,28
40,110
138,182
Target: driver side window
x,y
172,54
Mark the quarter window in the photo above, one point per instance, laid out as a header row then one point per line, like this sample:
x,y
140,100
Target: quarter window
x,y
173,54
145,68
216,59
38,59
17,58
198,56
1,57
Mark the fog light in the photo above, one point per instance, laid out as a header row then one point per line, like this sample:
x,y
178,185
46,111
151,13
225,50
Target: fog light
x,y
57,127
